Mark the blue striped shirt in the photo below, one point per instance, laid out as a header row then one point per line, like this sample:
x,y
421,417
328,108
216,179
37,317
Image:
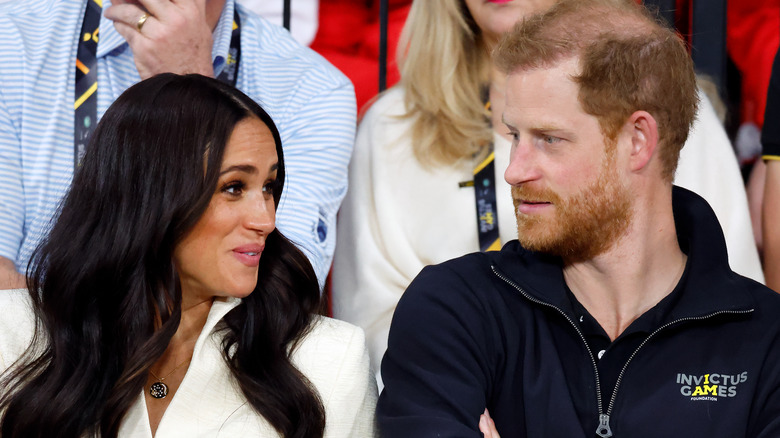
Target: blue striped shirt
x,y
312,103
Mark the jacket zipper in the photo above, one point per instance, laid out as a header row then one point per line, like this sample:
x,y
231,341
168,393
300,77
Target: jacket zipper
x,y
665,326
603,430
603,419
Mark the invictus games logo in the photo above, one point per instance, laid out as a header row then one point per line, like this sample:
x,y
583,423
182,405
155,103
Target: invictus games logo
x,y
710,387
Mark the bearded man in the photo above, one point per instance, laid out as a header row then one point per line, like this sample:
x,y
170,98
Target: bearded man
x,y
616,312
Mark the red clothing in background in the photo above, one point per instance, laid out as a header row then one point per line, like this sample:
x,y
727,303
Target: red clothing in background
x,y
753,37
348,36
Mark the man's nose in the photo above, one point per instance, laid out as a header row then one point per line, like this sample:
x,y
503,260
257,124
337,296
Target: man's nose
x,y
523,166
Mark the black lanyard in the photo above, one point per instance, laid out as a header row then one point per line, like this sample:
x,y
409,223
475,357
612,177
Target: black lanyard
x,y
485,196
85,104
484,184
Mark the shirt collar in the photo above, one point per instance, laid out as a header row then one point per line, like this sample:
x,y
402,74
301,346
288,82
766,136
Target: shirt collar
x,y
111,40
222,36
219,309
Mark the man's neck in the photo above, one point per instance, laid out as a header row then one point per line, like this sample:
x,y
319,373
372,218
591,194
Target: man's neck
x,y
638,271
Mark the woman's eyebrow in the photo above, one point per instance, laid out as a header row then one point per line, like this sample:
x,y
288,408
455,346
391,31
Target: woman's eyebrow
x,y
246,168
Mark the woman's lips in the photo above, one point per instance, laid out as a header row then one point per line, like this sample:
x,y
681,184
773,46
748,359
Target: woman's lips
x,y
249,255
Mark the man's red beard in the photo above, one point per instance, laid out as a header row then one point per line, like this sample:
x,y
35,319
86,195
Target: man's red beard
x,y
584,225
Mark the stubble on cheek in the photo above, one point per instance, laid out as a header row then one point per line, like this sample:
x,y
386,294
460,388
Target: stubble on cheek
x,y
581,226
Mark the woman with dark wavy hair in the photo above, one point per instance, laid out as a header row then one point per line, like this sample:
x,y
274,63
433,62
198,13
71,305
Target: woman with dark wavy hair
x,y
164,301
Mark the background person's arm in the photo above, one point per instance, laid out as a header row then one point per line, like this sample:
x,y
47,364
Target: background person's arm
x,y
318,132
9,277
770,139
771,225
11,197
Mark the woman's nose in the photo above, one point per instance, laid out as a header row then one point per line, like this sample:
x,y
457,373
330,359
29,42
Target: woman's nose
x,y
261,216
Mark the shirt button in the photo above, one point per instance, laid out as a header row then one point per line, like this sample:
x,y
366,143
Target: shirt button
x,y
601,353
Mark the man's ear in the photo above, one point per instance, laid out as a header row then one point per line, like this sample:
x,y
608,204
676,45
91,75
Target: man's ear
x,y
642,130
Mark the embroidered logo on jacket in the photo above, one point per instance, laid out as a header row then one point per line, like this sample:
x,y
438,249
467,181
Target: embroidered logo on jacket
x,y
710,387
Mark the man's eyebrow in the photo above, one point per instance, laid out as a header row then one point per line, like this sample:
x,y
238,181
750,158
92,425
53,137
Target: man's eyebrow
x,y
543,127
548,128
503,120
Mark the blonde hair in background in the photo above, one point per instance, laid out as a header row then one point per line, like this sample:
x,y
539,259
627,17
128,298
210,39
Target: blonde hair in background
x,y
444,65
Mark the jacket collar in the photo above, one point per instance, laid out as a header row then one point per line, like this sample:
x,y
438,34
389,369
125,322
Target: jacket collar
x,y
709,286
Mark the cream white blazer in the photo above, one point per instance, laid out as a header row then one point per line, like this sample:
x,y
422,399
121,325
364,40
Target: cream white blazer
x,y
208,403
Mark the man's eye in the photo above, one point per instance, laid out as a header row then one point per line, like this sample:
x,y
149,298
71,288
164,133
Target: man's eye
x,y
549,139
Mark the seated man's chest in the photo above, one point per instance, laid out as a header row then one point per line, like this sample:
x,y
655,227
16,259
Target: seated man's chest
x,y
691,379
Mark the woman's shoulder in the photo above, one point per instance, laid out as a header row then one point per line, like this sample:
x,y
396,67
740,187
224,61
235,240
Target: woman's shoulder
x,y
332,338
389,104
332,351
17,324
334,358
383,127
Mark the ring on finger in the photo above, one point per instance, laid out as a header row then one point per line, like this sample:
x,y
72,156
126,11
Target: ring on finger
x,y
140,23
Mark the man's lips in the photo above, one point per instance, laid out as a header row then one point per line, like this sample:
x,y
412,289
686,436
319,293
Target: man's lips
x,y
249,254
530,207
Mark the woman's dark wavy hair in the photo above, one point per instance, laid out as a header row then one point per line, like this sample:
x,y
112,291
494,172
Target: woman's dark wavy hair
x,y
105,289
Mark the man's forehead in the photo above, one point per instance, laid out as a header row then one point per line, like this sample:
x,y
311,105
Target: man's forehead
x,y
562,69
542,91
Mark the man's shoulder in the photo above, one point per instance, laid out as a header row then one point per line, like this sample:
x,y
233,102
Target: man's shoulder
x,y
767,301
477,274
468,268
273,49
24,9
30,13
36,32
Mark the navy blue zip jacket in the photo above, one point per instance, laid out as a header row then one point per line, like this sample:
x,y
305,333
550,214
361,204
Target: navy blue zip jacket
x,y
497,330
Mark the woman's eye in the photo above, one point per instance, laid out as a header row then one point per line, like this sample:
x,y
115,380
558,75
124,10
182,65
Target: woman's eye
x,y
271,187
233,188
